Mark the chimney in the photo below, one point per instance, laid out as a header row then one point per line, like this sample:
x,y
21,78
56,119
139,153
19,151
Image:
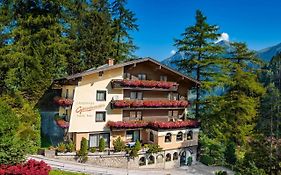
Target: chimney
x,y
110,61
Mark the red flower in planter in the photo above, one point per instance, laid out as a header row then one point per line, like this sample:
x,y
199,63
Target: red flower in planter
x,y
173,125
63,101
137,103
127,124
147,83
121,103
183,103
63,124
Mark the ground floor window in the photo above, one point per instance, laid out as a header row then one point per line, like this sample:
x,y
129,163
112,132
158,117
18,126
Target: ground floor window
x,y
168,157
151,160
142,161
132,135
95,138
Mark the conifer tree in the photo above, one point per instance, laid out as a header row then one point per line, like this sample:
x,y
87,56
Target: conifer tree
x,y
202,56
124,22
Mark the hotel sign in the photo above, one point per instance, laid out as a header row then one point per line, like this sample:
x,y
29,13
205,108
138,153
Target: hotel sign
x,y
85,109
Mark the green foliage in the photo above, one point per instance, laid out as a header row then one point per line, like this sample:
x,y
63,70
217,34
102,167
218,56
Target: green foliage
x,y
189,161
83,152
153,148
101,145
61,147
221,173
119,145
212,151
12,148
230,156
70,146
93,150
250,169
60,172
133,152
138,145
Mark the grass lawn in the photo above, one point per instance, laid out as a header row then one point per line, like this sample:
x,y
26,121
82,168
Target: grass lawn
x,y
59,172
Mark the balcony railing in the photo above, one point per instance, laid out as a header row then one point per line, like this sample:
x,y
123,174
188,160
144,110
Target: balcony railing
x,y
153,125
129,104
144,85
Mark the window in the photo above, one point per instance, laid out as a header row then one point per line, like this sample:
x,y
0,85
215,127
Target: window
x,y
180,136
142,76
95,138
159,158
100,116
168,137
151,136
100,73
173,96
135,115
132,135
168,157
66,93
175,156
101,96
189,135
163,78
151,160
142,161
173,113
136,95
127,76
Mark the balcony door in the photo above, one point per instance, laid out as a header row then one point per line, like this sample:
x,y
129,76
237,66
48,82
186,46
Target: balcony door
x,y
132,135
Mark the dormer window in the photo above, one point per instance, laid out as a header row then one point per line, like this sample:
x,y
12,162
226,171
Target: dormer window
x,y
142,76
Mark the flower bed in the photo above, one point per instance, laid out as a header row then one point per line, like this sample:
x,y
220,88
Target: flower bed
x,y
31,167
153,125
63,101
148,103
146,84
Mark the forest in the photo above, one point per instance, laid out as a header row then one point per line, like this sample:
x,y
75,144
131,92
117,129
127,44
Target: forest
x,y
41,40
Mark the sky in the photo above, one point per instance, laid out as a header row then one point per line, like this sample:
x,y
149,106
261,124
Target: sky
x,y
256,22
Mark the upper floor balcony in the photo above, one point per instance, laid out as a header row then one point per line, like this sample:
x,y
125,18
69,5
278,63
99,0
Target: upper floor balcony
x,y
144,85
149,104
64,102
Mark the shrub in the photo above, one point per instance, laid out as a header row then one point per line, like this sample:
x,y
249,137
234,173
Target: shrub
x,y
61,148
138,145
189,161
134,152
93,150
221,173
70,146
153,148
31,167
207,160
102,145
119,145
230,156
83,152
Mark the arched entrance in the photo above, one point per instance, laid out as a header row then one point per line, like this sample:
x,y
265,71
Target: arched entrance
x,y
184,155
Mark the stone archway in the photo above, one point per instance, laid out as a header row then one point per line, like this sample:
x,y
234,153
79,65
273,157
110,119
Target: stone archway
x,y
184,156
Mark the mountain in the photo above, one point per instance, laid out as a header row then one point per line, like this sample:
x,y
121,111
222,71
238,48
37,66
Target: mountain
x,y
171,61
267,53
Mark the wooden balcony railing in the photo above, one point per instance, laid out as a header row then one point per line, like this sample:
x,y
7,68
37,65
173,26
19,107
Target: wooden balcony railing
x,y
129,104
144,85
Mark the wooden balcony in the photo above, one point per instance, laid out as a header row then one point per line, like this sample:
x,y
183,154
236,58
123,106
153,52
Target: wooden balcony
x,y
149,104
149,85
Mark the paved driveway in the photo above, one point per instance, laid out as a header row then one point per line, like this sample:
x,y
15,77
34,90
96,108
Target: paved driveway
x,y
197,169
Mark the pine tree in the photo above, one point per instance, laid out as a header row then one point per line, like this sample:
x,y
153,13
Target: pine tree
x,y
202,56
124,22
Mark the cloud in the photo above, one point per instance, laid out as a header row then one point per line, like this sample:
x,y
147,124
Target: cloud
x,y
224,37
173,52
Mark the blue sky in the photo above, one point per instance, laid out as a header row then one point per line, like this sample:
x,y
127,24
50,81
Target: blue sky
x,y
256,22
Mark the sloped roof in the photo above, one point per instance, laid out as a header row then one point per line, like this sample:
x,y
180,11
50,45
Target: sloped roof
x,y
106,67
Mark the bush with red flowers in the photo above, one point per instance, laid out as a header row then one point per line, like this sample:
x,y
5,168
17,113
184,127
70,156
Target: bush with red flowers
x,y
149,103
31,167
127,124
147,84
173,125
63,101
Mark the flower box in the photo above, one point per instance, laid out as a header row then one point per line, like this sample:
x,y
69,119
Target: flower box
x,y
61,101
62,123
145,84
148,103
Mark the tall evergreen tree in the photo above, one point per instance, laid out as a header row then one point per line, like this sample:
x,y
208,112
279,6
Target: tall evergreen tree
x,y
202,56
124,22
